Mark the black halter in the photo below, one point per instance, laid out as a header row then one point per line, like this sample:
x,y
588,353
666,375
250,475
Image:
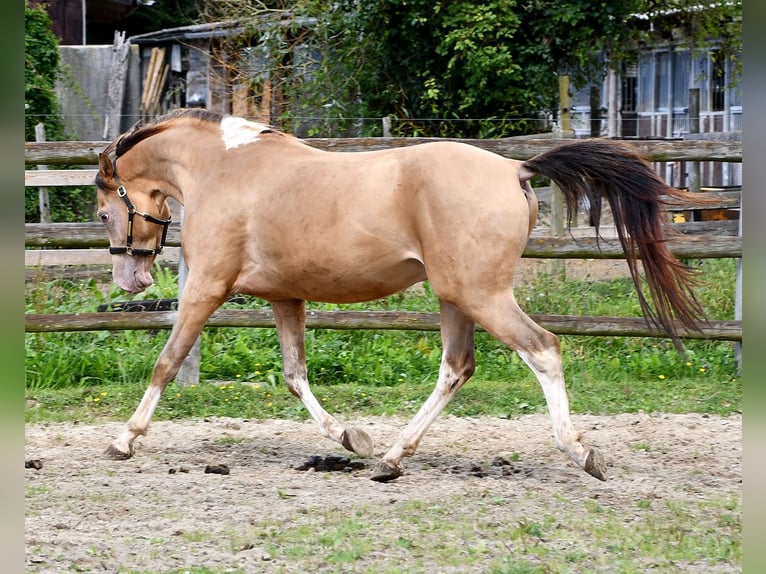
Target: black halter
x,y
128,248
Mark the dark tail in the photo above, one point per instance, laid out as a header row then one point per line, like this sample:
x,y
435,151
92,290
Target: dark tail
x,y
594,169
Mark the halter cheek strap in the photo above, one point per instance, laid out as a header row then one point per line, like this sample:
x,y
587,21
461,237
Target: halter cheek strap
x,y
132,211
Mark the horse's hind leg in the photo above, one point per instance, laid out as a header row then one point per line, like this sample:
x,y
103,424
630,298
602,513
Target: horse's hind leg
x,y
290,318
540,350
195,307
456,368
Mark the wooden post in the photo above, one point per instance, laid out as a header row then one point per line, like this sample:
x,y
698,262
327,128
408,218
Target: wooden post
x,y
557,200
118,69
45,200
565,111
188,374
595,111
694,128
611,104
738,293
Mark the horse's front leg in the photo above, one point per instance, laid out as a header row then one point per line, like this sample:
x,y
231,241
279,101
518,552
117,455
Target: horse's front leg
x,y
194,309
290,319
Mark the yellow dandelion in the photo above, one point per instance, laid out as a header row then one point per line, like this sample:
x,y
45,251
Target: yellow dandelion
x,y
271,404
103,394
688,363
702,369
96,400
661,377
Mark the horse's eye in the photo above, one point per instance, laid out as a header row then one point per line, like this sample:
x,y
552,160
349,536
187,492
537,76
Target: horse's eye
x,y
104,217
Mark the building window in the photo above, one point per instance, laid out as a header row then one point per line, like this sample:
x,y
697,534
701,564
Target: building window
x,y
661,80
682,68
645,83
717,84
629,89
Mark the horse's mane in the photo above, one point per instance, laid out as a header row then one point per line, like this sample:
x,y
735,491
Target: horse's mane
x,y
141,132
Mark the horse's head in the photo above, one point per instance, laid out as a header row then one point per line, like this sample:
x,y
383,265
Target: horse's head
x,y
136,216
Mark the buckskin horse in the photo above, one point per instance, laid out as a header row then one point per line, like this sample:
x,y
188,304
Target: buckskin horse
x,y
268,215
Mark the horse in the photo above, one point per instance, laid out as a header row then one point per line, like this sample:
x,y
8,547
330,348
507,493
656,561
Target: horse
x,y
266,214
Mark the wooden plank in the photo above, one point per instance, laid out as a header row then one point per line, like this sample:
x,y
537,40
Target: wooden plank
x,y
375,320
49,257
59,177
86,152
80,235
728,227
64,153
707,200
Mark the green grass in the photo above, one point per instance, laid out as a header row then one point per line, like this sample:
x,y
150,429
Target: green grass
x,y
101,375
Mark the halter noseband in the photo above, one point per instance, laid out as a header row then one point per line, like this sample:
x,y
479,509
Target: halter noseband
x,y
128,248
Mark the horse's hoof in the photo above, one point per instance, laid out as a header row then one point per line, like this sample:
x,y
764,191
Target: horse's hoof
x,y
114,453
595,465
357,441
387,472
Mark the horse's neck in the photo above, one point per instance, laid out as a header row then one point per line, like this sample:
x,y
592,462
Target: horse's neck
x,y
181,162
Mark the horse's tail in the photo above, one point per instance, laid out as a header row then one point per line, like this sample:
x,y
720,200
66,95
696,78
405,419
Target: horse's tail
x,y
594,169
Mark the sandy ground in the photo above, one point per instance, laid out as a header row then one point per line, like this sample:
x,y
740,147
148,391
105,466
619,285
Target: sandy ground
x,y
86,513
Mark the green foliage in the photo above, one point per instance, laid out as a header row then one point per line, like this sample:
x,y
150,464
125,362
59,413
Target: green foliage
x,y
41,62
457,68
68,204
41,69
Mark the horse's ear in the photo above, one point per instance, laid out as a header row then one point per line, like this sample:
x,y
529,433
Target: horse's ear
x,y
105,166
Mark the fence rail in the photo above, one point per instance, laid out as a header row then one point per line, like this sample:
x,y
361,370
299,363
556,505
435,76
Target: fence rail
x,y
85,235
86,152
540,245
377,320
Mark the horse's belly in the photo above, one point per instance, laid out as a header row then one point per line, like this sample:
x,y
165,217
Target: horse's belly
x,y
313,282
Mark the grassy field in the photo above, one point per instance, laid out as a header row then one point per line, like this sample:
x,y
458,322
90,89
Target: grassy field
x,y
92,375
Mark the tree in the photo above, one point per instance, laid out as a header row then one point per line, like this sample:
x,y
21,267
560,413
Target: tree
x,y
459,68
41,67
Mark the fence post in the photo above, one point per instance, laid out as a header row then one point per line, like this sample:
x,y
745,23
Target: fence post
x,y
188,374
557,200
118,69
45,201
694,128
611,124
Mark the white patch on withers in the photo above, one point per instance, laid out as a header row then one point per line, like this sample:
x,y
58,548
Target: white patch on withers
x,y
239,131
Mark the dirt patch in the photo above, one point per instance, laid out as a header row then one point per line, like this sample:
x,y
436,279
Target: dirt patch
x,y
161,511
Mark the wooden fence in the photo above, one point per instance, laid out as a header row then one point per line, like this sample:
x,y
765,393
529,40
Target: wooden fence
x,y
541,244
